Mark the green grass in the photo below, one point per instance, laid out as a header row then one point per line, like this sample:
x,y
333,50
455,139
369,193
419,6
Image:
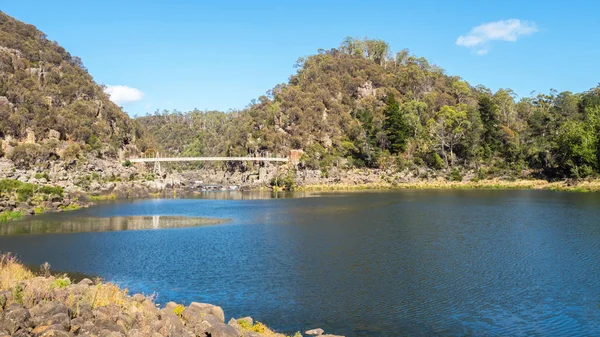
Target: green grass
x,y
42,175
10,215
61,283
71,207
51,190
102,197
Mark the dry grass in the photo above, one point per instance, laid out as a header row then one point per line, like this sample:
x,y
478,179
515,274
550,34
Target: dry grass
x,y
262,329
583,186
12,272
103,294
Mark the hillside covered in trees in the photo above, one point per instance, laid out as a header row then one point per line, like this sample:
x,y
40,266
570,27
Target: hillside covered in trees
x,y
50,107
360,105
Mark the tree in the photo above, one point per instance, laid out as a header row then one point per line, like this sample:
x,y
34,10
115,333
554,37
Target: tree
x,y
396,126
447,128
489,118
576,149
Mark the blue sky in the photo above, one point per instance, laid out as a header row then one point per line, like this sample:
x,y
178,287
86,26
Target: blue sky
x,y
220,55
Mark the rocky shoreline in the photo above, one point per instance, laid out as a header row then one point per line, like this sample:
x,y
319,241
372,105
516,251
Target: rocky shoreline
x,y
51,306
62,185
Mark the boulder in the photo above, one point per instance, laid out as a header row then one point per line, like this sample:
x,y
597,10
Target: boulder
x,y
234,324
139,298
86,281
53,134
171,324
107,325
248,320
314,332
15,317
222,330
205,308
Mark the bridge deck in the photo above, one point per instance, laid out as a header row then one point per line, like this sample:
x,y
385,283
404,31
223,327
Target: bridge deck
x,y
154,160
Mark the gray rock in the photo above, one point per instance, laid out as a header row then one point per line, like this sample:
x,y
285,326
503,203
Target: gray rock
x,y
314,332
86,281
171,306
15,317
139,298
84,311
222,330
60,321
205,308
234,324
108,325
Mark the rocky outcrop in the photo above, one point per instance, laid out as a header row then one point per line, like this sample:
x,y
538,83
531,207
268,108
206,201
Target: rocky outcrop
x,y
50,306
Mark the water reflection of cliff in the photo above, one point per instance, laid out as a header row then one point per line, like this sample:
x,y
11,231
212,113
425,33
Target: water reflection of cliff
x,y
93,224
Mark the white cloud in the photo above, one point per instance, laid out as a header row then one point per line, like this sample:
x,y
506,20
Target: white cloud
x,y
123,94
480,37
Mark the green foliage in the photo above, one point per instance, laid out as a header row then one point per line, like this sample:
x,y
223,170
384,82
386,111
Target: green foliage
x,y
127,163
576,145
44,175
18,292
396,126
345,107
435,161
455,175
50,190
72,151
10,215
25,191
70,207
60,283
287,181
25,155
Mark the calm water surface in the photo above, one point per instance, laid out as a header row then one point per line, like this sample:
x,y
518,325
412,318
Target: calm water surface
x,y
403,263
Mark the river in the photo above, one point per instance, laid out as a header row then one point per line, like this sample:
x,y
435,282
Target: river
x,y
396,263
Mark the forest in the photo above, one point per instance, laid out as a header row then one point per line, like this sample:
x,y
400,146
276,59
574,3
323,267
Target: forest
x,y
361,105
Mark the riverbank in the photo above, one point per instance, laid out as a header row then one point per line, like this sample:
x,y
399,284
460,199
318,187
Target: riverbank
x,y
18,199
582,186
47,305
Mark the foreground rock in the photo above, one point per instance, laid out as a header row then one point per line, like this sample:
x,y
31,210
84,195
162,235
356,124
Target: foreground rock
x,y
39,306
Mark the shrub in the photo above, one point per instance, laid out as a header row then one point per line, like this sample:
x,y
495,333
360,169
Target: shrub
x,y
72,151
435,161
10,215
455,175
287,181
179,310
25,191
127,163
24,155
42,175
9,185
61,283
51,190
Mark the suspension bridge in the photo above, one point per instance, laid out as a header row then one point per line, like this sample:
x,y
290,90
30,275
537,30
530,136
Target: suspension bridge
x,y
157,160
